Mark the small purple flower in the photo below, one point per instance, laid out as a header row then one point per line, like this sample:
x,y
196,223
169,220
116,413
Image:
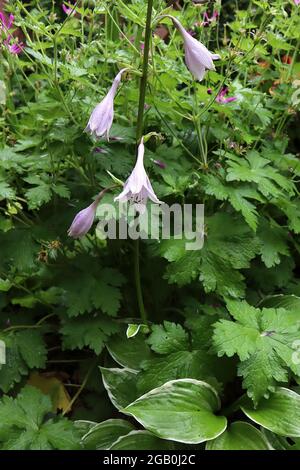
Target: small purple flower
x,y
137,188
207,20
297,2
84,220
221,97
102,116
160,164
16,48
198,58
6,23
68,10
209,91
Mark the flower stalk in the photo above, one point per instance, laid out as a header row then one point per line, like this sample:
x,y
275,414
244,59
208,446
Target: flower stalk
x,y
144,78
139,133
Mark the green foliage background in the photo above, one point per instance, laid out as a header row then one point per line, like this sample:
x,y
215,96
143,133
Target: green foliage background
x,y
222,344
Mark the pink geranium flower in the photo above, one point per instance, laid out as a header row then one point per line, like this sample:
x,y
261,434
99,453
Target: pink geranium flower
x,y
6,24
16,48
207,20
68,10
221,97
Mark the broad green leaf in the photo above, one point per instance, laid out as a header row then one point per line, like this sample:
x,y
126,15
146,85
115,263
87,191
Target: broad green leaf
x,y
103,435
141,440
280,442
83,426
178,365
180,410
129,353
120,385
239,436
280,413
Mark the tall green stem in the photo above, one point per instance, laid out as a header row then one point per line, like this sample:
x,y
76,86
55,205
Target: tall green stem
x,y
143,82
139,133
137,275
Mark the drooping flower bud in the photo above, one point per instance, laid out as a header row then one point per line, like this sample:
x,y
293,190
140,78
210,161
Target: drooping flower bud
x,y
84,219
102,116
198,58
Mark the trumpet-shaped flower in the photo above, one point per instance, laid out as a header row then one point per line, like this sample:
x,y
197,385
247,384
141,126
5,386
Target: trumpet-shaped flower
x,y
84,220
102,116
198,58
297,2
137,189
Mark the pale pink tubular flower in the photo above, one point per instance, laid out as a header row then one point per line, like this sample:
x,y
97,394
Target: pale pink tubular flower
x,y
102,116
297,2
137,188
198,58
84,219
221,97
